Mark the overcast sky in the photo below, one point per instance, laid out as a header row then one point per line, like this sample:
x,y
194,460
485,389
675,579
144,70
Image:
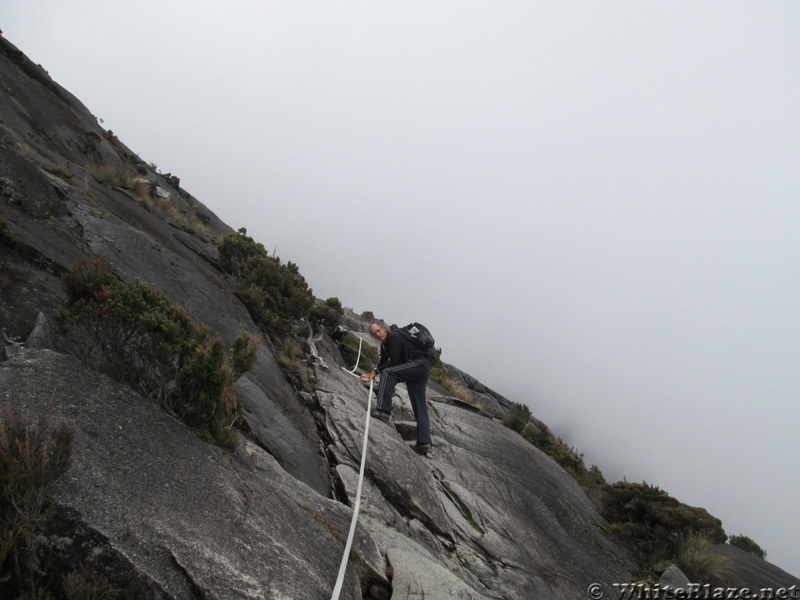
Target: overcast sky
x,y
594,205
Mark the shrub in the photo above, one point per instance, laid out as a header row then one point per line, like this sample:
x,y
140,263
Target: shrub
x,y
113,175
517,417
653,521
274,294
326,315
237,250
438,373
207,400
440,376
136,334
745,543
289,357
566,456
702,564
33,454
245,352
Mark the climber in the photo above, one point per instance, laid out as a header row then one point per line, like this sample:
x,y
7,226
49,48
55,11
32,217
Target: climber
x,y
401,362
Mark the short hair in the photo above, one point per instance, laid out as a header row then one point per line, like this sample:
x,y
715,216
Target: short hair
x,y
380,324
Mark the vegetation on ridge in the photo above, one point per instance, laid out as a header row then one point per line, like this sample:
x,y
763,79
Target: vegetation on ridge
x,y
748,545
659,527
518,418
279,301
654,524
275,294
137,335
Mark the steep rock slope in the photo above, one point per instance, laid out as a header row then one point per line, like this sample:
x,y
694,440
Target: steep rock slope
x,y
487,516
160,511
165,515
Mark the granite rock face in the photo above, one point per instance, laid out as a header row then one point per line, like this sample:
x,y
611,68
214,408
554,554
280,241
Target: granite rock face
x,y
755,573
177,517
166,515
485,516
486,507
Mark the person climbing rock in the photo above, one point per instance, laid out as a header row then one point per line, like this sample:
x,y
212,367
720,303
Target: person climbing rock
x,y
399,362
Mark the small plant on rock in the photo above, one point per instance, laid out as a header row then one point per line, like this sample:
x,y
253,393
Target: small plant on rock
x,y
33,454
518,417
274,293
702,564
245,352
207,400
326,315
60,171
748,545
113,174
136,334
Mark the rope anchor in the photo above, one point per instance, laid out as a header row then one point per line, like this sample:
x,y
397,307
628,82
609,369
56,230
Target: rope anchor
x,y
358,358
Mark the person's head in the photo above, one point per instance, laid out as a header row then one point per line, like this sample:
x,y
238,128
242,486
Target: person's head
x,y
379,330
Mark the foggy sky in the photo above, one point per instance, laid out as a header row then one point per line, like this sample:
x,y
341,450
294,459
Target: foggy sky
x,y
592,205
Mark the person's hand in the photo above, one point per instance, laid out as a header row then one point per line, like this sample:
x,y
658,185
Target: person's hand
x,y
368,376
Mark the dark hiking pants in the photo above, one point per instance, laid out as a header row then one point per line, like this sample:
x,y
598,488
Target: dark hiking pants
x,y
415,375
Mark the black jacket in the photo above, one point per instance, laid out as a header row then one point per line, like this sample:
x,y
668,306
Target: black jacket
x,y
396,350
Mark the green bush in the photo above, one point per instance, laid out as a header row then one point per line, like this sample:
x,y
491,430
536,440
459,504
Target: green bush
x,y
517,417
245,353
136,334
236,250
274,294
33,454
440,376
289,357
112,174
655,523
457,389
208,402
566,456
745,543
438,372
326,315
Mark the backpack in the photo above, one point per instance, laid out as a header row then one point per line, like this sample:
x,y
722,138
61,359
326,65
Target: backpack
x,y
419,336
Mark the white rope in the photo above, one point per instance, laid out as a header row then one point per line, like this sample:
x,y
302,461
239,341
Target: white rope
x,y
357,505
358,358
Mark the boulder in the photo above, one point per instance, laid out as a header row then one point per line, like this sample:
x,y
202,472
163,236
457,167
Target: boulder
x,y
674,578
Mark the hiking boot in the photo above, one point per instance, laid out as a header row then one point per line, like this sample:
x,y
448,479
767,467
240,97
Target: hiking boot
x,y
422,449
381,415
